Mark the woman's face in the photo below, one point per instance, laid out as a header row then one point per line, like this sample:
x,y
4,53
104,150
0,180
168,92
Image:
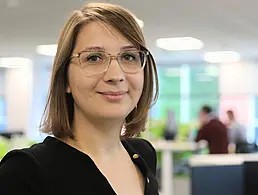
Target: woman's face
x,y
111,95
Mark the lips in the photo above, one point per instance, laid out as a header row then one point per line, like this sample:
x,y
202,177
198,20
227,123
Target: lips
x,y
113,96
114,93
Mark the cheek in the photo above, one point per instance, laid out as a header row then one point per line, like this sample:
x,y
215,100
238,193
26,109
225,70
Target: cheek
x,y
84,89
80,85
141,83
136,83
139,90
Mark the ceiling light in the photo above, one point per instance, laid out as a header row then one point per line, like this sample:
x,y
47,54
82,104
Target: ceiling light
x,y
14,62
222,57
47,50
12,3
179,43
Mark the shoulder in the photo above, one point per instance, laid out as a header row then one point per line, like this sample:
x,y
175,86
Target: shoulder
x,y
145,149
12,158
142,145
19,168
36,154
30,158
216,123
26,157
239,126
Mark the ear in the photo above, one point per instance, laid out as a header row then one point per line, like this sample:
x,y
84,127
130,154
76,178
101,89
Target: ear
x,y
68,89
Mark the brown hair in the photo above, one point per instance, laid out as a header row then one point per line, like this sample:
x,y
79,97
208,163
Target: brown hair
x,y
231,114
58,114
206,109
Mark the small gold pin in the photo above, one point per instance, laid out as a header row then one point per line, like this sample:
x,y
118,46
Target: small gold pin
x,y
135,156
148,180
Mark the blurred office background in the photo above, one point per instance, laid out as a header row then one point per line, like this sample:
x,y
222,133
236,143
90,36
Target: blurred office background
x,y
213,60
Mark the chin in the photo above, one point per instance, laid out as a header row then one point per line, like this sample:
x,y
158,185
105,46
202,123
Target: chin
x,y
113,112
111,117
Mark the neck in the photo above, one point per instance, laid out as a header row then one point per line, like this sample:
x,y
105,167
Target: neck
x,y
96,137
210,117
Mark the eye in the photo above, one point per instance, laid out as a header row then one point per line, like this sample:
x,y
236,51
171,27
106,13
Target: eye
x,y
94,58
128,57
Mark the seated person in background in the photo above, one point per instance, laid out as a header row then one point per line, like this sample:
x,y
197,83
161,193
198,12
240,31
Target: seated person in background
x,y
213,131
237,134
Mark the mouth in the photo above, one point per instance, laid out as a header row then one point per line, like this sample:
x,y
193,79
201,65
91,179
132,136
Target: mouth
x,y
113,95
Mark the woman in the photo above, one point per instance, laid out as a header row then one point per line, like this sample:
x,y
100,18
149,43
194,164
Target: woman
x,y
102,81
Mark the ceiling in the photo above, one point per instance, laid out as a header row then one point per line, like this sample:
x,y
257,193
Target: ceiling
x,y
220,24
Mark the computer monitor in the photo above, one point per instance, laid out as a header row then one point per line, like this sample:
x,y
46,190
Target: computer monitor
x,y
251,178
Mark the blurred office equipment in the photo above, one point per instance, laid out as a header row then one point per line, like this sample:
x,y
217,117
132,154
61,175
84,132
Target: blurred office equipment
x,y
171,128
224,174
167,148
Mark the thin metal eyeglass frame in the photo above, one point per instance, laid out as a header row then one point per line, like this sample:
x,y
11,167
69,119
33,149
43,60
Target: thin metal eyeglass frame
x,y
111,57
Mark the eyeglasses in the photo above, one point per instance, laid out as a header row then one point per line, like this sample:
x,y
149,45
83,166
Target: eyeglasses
x,y
97,62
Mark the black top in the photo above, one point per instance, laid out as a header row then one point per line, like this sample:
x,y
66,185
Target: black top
x,y
53,168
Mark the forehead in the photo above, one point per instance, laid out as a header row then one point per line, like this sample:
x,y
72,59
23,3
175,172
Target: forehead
x,y
96,34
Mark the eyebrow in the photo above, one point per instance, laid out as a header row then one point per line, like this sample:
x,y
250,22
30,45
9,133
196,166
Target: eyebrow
x,y
128,47
94,48
97,48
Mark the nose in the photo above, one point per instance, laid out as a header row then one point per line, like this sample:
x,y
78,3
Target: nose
x,y
114,73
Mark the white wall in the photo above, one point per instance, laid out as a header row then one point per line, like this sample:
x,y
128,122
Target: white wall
x,y
236,78
238,87
254,77
239,78
41,79
2,81
25,91
18,97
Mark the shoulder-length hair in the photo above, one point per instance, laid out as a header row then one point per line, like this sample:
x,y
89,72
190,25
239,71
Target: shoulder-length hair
x,y
59,111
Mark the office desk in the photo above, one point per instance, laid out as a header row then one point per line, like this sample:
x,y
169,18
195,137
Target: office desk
x,y
223,174
167,148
